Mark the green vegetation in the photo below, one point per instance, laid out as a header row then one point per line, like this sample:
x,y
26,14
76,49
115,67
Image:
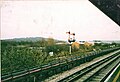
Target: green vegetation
x,y
23,55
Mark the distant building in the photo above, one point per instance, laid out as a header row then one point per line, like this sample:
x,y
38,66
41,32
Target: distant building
x,y
87,43
81,42
59,43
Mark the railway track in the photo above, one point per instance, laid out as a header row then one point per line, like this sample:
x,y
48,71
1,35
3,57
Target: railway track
x,y
101,75
39,73
96,72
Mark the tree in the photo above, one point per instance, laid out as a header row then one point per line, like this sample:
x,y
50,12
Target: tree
x,y
43,42
75,46
50,41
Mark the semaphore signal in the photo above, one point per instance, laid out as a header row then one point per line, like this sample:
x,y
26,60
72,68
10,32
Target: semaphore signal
x,y
69,38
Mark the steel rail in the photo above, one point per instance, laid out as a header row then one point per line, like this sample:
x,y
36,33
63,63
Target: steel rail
x,y
82,72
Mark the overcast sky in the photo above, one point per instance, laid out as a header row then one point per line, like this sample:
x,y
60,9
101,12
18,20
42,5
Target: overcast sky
x,y
54,19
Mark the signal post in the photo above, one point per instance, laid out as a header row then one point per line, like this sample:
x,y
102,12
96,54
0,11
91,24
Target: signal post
x,y
70,40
